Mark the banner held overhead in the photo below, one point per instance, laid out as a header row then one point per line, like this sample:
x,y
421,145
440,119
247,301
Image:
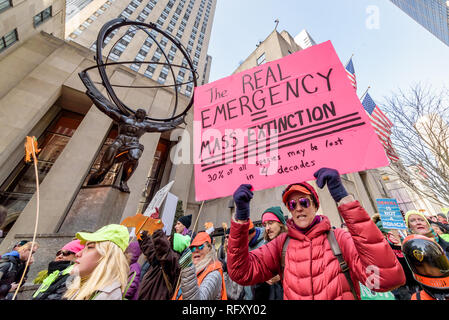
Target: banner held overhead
x,y
278,123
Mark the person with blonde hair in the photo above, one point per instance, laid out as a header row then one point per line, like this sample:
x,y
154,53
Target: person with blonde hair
x,y
201,272
12,266
417,223
101,269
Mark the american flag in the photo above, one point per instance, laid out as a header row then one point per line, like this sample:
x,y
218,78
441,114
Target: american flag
x,y
351,73
382,126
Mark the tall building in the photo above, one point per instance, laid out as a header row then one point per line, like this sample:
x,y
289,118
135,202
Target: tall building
x,y
431,14
189,21
20,20
367,186
304,39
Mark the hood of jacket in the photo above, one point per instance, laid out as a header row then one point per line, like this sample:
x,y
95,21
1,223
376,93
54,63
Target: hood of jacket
x,y
258,241
134,250
12,254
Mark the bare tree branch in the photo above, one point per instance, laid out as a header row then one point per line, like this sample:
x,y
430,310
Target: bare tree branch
x,y
421,139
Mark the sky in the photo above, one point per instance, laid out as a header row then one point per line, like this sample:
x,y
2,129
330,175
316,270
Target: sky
x,y
391,50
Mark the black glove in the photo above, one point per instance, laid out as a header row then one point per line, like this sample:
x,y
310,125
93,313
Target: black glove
x,y
242,197
331,177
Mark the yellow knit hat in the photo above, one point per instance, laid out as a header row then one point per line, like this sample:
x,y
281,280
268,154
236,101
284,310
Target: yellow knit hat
x,y
410,212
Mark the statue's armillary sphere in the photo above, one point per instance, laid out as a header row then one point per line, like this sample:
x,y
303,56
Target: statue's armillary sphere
x,y
132,123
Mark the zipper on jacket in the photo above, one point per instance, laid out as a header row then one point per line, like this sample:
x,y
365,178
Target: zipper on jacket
x,y
311,274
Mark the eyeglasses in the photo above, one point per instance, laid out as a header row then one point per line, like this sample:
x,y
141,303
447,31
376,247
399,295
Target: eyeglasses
x,y
64,253
303,202
201,247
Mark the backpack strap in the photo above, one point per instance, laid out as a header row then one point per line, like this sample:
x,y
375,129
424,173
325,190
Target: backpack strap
x,y
284,252
343,265
129,285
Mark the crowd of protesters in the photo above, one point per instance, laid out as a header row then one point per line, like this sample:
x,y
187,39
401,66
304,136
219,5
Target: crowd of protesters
x,y
299,258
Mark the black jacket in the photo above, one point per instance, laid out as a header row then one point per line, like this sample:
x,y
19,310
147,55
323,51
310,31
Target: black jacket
x,y
11,269
58,287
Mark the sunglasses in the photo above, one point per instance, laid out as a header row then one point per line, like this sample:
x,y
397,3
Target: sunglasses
x,y
64,253
201,247
303,202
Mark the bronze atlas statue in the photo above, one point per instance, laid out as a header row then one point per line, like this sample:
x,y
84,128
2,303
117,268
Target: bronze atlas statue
x,y
126,148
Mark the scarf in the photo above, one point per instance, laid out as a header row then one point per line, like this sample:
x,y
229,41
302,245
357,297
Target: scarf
x,y
254,240
58,266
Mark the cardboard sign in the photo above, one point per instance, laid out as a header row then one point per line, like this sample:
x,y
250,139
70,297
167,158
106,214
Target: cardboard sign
x,y
390,214
280,122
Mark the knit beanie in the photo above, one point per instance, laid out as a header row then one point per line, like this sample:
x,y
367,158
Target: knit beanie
x,y
410,212
277,211
186,220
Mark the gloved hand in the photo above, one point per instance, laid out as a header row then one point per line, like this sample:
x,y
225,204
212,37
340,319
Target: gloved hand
x,y
242,197
185,260
331,177
146,244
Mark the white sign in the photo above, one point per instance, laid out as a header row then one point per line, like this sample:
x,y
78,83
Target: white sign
x,y
158,199
169,212
156,202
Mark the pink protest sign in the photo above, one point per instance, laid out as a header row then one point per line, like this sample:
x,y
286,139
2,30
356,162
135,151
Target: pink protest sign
x,y
280,122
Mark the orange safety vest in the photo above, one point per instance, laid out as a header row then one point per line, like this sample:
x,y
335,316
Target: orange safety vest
x,y
423,296
216,265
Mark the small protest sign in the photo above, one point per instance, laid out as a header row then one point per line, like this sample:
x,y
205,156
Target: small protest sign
x,y
156,202
278,123
390,214
169,212
368,294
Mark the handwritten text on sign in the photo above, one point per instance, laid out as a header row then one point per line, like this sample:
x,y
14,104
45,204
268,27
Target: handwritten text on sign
x,y
280,122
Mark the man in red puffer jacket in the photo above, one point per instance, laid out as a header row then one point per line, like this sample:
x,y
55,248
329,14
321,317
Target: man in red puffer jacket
x,y
312,272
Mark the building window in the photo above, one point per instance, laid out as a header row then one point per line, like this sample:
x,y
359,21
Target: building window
x,y
8,40
261,59
42,16
135,67
5,4
20,186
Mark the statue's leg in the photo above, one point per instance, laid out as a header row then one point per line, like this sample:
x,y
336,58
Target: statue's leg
x,y
129,167
106,164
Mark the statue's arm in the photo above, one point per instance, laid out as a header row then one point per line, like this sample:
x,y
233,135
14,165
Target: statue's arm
x,y
98,99
161,127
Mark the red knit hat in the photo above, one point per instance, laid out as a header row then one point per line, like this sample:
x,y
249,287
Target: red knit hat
x,y
303,187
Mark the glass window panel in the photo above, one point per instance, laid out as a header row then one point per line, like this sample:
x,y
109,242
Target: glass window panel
x,y
20,185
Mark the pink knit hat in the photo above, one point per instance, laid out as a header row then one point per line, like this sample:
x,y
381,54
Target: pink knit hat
x,y
268,216
74,246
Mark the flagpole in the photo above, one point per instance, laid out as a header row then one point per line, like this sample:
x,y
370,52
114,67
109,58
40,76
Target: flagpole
x,y
364,93
349,60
